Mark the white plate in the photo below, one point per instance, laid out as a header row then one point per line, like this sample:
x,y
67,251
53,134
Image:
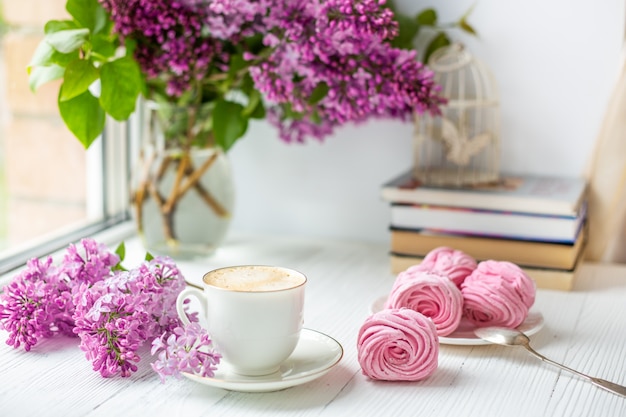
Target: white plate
x,y
315,354
464,334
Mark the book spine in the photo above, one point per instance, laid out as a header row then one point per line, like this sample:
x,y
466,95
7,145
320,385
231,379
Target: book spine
x,y
487,223
528,253
493,212
522,193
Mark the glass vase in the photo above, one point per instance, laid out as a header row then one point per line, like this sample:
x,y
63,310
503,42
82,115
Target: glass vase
x,y
183,190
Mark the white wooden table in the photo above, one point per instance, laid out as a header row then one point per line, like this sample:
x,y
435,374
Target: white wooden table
x,y
585,329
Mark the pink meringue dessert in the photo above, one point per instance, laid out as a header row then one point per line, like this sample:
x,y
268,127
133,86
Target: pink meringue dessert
x,y
452,263
398,345
431,294
497,293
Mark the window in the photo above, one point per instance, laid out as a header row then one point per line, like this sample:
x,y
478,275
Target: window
x,y
51,189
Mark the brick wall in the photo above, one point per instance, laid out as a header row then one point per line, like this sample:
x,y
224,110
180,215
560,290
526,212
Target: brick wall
x,y
44,164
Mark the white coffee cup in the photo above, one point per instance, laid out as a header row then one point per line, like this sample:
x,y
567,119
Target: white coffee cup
x,y
254,314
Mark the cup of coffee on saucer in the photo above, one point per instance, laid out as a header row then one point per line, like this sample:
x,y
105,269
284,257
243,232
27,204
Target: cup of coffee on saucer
x,y
254,315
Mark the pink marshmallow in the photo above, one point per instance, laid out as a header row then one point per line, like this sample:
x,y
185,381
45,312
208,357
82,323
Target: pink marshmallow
x,y
398,345
433,295
497,293
523,284
452,263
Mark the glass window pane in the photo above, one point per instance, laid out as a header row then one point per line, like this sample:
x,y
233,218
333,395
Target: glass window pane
x,y
49,184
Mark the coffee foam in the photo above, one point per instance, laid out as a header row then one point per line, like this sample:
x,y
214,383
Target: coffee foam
x,y
254,278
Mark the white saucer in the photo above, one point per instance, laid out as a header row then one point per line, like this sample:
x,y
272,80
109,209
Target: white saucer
x,y
464,334
315,354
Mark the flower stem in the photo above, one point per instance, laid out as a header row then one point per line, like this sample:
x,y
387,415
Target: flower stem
x,y
186,178
180,173
208,198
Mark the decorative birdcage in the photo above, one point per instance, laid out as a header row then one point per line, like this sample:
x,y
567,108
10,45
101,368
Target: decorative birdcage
x,y
460,147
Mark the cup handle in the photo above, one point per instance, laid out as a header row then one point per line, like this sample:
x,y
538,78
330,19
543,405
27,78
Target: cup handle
x,y
180,302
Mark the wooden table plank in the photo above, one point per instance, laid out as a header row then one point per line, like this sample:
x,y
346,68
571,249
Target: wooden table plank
x,y
584,329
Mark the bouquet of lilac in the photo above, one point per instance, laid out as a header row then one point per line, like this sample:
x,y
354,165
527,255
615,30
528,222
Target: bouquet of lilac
x,y
308,66
208,67
112,310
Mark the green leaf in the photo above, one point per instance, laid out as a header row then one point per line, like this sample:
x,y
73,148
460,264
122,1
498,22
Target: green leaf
x,y
228,123
79,75
64,59
88,13
247,84
121,251
255,43
315,118
45,55
53,26
254,99
237,63
149,257
437,42
290,113
102,45
259,111
464,25
67,41
130,45
319,92
407,31
143,86
427,17
121,83
84,117
42,55
101,21
118,267
41,75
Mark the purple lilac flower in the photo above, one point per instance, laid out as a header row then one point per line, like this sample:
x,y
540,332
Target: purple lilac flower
x,y
114,317
187,349
110,323
233,19
340,43
35,305
38,302
163,281
171,43
88,262
114,312
297,130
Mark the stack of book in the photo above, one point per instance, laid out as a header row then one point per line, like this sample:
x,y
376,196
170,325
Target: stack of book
x,y
537,222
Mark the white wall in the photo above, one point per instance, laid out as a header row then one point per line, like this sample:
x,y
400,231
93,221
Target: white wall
x,y
555,63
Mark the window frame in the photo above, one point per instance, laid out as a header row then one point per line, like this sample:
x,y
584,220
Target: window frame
x,y
108,171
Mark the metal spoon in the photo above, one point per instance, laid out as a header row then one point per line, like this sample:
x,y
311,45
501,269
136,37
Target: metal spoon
x,y
512,337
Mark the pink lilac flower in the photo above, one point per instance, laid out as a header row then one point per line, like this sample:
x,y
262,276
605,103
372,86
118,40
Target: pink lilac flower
x,y
340,44
297,130
187,349
38,302
234,19
88,262
171,43
113,311
110,323
114,317
163,281
35,304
